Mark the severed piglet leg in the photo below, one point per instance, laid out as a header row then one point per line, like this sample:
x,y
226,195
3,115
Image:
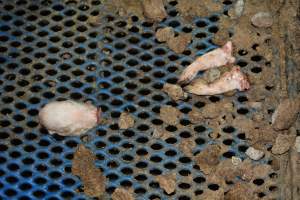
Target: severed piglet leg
x,y
215,58
231,80
69,118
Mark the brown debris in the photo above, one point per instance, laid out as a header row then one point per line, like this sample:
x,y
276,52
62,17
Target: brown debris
x,y
195,116
170,115
282,143
214,110
91,177
262,20
187,146
221,37
94,21
179,43
154,10
256,132
261,171
208,159
240,191
126,121
122,194
167,182
174,91
125,7
286,114
237,10
213,195
193,8
161,133
176,43
164,34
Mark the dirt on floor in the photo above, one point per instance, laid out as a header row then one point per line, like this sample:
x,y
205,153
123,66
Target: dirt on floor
x,y
170,115
167,182
126,121
123,194
177,43
83,166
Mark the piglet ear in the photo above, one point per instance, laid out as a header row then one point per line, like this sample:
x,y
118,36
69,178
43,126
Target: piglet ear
x,y
227,48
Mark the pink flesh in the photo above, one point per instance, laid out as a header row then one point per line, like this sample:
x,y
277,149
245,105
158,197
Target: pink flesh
x,y
216,58
229,81
98,115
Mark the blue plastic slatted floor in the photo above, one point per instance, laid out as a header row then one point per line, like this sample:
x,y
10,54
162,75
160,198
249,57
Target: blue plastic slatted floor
x,y
48,51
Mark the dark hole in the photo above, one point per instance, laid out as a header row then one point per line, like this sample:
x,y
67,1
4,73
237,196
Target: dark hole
x,y
10,192
155,159
155,172
213,29
242,52
256,70
185,160
113,151
184,172
126,183
201,24
213,187
55,174
171,153
200,129
171,128
141,177
171,140
141,164
154,185
242,111
228,129
228,141
25,186
67,194
261,194
40,180
11,179
242,99
132,62
147,24
127,171
112,164
184,186
256,58
242,136
156,146
29,148
185,134
170,165
157,122
273,188
200,141
142,140
26,174
200,47
184,198
142,152
140,191
146,46
228,154
242,63
198,192
258,182
53,188
13,166
214,98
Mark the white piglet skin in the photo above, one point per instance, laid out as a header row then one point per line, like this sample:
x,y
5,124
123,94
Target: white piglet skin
x,y
69,118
